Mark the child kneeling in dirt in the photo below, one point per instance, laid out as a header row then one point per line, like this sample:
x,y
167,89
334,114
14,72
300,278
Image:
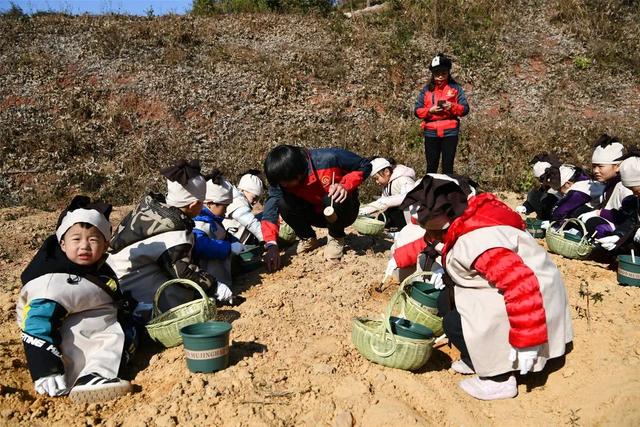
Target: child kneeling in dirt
x,y
153,243
303,182
213,244
68,312
239,218
396,180
509,309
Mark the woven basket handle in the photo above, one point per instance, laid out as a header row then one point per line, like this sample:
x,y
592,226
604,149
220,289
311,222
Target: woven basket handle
x,y
396,299
384,217
575,221
385,329
156,311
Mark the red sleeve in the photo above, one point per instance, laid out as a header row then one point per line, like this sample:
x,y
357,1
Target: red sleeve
x,y
352,180
269,231
457,109
422,113
519,285
407,255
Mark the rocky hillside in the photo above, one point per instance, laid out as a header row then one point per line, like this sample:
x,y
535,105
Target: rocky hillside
x,y
99,104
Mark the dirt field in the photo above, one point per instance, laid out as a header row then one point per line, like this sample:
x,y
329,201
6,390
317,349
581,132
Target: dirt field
x,y
292,361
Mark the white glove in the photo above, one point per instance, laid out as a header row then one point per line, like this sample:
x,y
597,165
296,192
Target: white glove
x,y
636,237
391,266
609,242
521,209
223,293
53,385
436,278
526,356
591,214
545,225
237,247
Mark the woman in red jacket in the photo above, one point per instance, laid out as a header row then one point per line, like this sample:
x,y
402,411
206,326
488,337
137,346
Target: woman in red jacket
x,y
510,310
440,104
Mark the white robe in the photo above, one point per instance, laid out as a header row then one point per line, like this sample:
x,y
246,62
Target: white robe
x,y
485,324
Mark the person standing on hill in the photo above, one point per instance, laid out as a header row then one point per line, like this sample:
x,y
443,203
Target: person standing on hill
x,y
440,105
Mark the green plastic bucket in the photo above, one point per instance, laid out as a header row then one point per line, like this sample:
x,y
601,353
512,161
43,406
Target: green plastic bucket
x,y
534,227
250,258
206,346
628,271
425,293
408,329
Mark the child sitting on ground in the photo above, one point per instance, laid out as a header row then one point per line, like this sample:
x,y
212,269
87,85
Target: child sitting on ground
x,y
510,310
580,193
213,244
68,312
627,234
153,243
239,219
542,198
396,180
602,223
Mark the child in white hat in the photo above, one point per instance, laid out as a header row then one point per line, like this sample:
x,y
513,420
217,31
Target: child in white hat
x,y
542,198
154,242
602,223
396,181
213,244
626,229
580,193
68,310
239,218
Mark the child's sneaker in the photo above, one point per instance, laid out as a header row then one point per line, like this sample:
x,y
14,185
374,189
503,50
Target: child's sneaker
x,y
489,389
95,388
307,245
462,368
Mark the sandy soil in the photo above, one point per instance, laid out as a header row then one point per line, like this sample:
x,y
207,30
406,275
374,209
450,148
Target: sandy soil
x,y
292,361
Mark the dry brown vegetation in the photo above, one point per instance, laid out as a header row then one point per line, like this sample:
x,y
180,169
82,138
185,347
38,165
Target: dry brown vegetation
x,y
99,104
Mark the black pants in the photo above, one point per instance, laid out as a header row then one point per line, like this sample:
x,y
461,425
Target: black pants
x,y
301,215
452,325
395,219
433,146
540,201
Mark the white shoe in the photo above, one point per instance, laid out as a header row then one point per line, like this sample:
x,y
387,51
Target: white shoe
x,y
462,368
95,388
490,390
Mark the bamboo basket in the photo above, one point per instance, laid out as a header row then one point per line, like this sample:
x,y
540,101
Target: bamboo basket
x,y
286,233
369,226
375,341
413,310
165,327
558,244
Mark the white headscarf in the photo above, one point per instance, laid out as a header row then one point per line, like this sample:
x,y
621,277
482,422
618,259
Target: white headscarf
x,y
180,196
221,194
90,216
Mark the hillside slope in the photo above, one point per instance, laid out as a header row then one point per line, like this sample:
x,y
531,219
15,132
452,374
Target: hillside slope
x,y
98,104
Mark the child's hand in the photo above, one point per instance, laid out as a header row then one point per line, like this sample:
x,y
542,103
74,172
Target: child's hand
x,y
435,109
53,385
224,294
272,258
338,193
237,247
